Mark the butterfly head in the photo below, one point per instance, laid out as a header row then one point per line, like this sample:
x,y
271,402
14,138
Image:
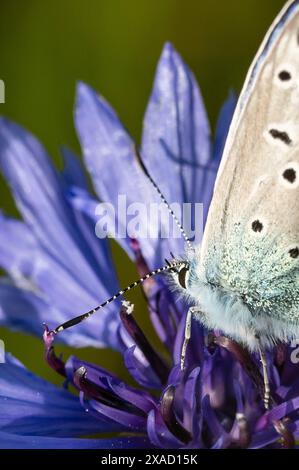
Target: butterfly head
x,y
185,276
181,275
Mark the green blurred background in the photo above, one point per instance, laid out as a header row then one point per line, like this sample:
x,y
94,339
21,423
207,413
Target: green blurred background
x,y
114,45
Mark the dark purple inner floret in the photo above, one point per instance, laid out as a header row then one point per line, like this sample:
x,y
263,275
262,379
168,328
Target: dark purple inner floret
x,y
184,415
155,360
102,395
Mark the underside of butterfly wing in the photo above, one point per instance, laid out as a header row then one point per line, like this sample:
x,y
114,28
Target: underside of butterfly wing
x,y
249,263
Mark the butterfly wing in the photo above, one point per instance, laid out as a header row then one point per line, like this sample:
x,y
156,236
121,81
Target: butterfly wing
x,y
251,246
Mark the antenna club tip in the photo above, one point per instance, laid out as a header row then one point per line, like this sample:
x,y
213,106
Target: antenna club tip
x,y
128,307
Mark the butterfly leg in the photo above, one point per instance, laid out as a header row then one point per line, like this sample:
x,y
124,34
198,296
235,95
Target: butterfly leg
x,y
267,391
287,437
187,336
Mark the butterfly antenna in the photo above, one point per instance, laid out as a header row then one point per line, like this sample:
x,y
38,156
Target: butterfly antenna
x,y
164,200
84,316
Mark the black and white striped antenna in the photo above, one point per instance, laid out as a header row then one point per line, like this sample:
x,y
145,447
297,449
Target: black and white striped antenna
x,y
171,266
163,199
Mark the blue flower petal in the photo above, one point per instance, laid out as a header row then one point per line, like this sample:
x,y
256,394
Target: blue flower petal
x,y
111,160
143,374
191,397
98,376
176,144
212,420
278,412
159,434
17,247
31,406
223,124
73,174
30,266
108,151
69,270
82,202
264,438
25,310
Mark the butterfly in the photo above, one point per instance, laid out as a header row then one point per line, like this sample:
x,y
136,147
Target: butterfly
x,y
244,278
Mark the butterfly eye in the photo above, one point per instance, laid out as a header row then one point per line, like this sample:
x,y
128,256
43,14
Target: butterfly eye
x,y
182,276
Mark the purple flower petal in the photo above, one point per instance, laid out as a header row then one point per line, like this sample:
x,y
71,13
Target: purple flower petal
x,y
106,395
25,310
143,374
289,370
264,438
165,312
211,418
287,392
170,418
90,375
140,399
158,433
278,412
191,395
176,376
240,432
111,383
219,444
131,422
195,350
73,364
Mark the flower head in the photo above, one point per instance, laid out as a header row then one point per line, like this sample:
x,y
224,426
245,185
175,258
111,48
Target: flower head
x,y
58,268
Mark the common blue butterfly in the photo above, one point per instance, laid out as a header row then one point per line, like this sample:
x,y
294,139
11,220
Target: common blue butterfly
x,y
246,275
244,278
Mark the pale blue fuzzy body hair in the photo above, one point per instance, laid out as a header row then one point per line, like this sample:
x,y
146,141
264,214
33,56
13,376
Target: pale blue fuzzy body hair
x,y
224,308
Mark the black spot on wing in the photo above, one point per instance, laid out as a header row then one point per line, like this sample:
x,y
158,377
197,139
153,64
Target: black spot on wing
x,y
284,76
290,175
281,135
294,252
257,226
